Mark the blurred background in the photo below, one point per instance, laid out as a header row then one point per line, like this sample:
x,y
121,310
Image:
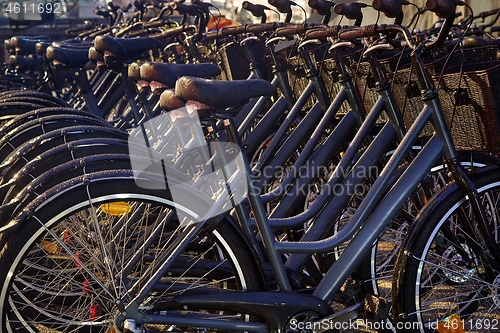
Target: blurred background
x,y
230,9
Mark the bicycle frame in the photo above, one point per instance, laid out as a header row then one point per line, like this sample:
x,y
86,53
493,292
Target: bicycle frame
x,y
376,211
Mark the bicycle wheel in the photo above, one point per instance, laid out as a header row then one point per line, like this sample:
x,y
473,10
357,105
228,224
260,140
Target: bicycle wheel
x,y
383,255
446,268
72,262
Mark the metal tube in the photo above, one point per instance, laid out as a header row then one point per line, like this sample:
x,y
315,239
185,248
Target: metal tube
x,y
378,220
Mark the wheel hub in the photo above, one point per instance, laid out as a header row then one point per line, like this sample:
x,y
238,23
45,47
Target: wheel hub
x,y
456,263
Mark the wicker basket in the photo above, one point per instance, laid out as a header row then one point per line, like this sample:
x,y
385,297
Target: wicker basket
x,y
233,60
408,91
471,105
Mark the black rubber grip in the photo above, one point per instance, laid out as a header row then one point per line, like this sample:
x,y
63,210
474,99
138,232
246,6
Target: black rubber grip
x,y
235,30
323,33
203,6
352,11
256,10
126,7
321,6
102,12
358,32
185,9
391,8
263,27
489,13
442,8
283,6
138,5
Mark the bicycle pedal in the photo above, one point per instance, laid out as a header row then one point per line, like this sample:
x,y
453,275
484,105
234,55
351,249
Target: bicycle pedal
x,y
375,308
350,295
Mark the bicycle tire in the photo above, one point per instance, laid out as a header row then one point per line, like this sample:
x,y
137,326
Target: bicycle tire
x,y
56,101
45,311
32,129
440,267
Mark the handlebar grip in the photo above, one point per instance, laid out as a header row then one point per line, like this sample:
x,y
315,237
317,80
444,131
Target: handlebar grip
x,y
324,33
442,8
126,7
283,6
321,6
256,10
235,30
203,6
358,32
352,11
138,5
391,8
263,27
489,13
102,12
293,29
185,9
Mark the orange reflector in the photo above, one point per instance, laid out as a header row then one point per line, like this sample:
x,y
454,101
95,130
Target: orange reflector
x,y
111,330
93,312
86,286
77,260
453,325
50,247
66,236
116,208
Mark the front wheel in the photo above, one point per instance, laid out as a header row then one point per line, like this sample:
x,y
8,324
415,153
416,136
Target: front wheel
x,y
82,251
446,269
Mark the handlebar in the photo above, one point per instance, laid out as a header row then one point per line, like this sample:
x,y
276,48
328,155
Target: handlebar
x,y
263,27
323,34
234,30
351,33
211,35
492,12
293,29
174,31
252,28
